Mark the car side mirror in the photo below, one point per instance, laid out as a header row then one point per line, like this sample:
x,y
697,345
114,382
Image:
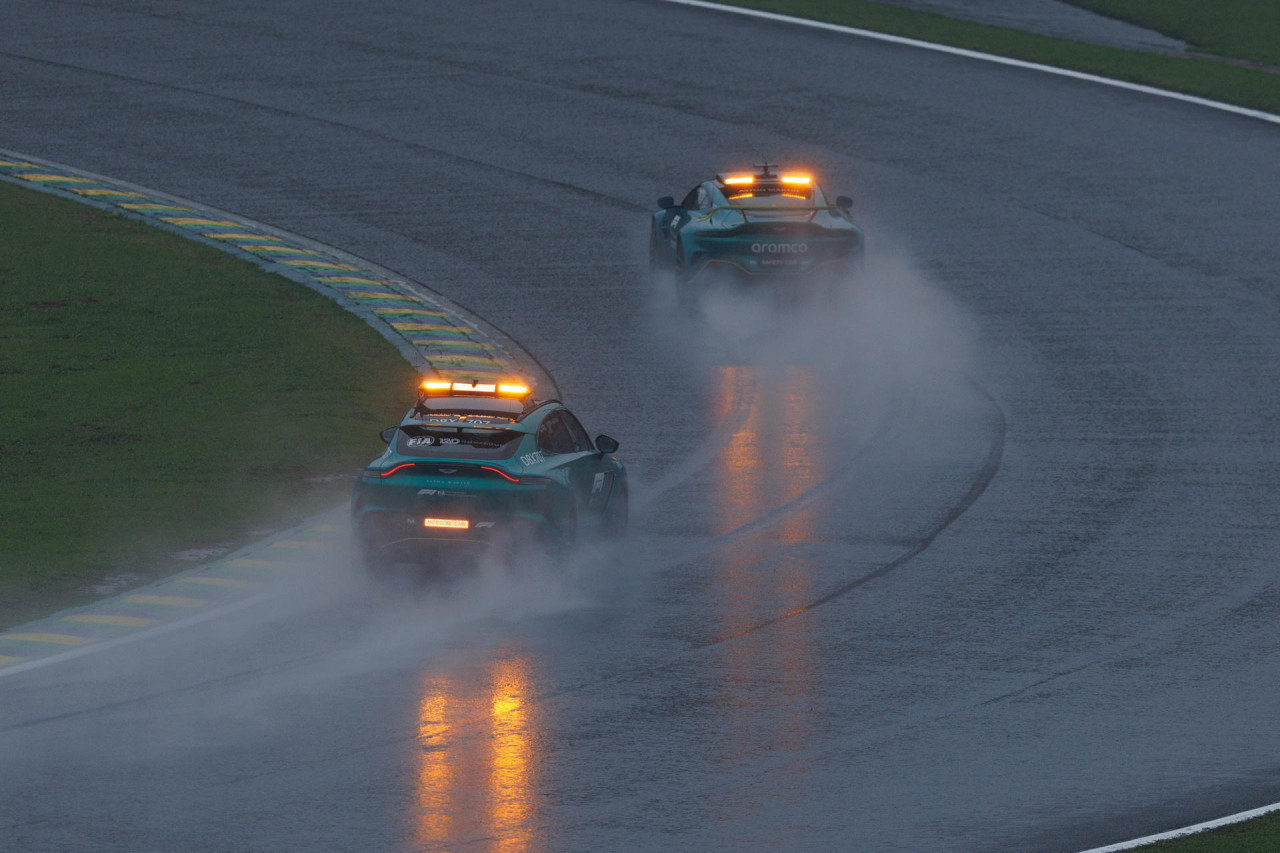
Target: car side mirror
x,y
605,444
666,202
387,434
844,201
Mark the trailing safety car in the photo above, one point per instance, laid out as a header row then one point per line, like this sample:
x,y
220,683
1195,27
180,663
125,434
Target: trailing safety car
x,y
762,225
477,463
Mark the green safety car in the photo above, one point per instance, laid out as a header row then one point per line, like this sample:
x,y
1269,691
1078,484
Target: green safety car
x,y
488,465
768,225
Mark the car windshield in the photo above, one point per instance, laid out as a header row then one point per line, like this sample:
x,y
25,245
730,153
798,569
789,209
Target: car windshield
x,y
442,442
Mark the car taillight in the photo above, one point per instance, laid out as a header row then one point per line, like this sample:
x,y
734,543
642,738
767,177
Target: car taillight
x,y
390,471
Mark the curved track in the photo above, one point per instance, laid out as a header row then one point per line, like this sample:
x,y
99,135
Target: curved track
x,y
1027,467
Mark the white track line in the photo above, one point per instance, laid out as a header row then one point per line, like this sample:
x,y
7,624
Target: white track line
x,y
1187,830
984,57
1074,75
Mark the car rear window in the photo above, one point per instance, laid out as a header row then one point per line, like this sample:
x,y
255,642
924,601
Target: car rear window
x,y
776,195
453,443
473,405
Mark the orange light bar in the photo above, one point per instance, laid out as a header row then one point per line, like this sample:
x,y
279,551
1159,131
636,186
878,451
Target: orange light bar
x,y
475,387
450,523
739,180
796,180
436,385
517,390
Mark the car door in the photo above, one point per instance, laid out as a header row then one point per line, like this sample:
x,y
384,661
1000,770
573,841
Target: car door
x,y
564,442
598,466
678,217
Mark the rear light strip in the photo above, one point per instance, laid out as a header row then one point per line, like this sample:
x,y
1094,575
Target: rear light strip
x,y
528,481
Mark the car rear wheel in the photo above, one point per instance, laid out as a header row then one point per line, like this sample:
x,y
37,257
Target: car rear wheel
x,y
370,556
681,274
566,532
616,514
656,266
374,561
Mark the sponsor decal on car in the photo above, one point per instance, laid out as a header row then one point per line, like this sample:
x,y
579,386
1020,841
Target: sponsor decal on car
x,y
780,248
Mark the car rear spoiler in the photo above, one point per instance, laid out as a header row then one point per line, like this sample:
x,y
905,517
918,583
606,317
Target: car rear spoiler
x,y
457,423
744,209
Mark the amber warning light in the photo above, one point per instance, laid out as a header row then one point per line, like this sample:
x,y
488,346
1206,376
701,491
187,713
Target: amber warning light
x,y
444,386
449,523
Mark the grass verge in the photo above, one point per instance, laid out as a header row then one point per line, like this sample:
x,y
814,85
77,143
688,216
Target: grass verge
x,y
160,396
1254,836
1240,29
1206,78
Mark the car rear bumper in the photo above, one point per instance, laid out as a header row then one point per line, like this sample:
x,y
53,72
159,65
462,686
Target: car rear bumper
x,y
748,259
406,535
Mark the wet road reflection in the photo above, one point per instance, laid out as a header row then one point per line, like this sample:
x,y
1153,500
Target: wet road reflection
x,y
476,781
774,457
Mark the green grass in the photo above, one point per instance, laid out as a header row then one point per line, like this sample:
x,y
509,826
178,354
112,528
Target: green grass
x,y
1255,836
160,395
1242,29
1248,87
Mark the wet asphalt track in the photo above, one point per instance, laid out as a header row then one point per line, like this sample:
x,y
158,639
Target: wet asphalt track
x,y
981,558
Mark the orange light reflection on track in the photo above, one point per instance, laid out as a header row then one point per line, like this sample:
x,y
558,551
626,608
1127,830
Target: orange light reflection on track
x,y
773,457
511,797
435,771
475,775
801,451
740,461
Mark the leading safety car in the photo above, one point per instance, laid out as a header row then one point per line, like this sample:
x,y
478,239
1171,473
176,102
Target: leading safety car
x,y
771,224
485,464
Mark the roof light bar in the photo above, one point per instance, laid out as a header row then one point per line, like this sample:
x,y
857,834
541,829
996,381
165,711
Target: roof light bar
x,y
796,180
452,387
739,180
476,387
448,387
